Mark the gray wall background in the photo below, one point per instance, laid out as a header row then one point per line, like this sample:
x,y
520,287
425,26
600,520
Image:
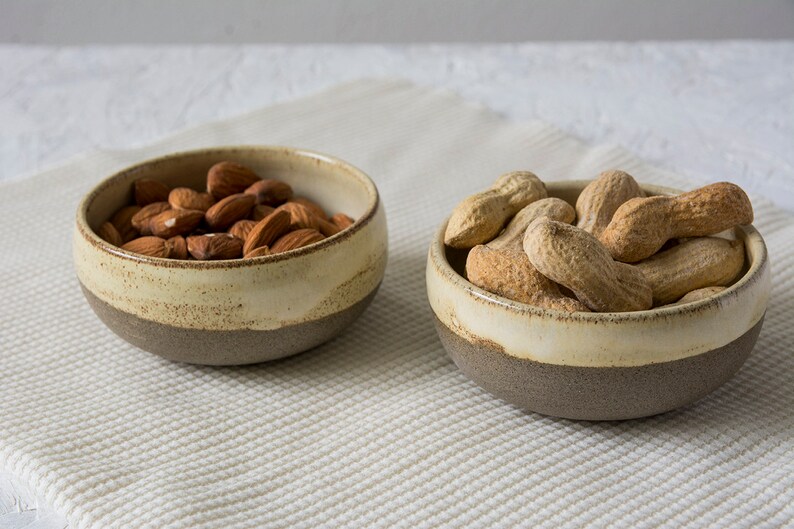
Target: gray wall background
x,y
392,21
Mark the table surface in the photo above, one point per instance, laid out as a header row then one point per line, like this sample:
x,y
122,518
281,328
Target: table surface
x,y
710,111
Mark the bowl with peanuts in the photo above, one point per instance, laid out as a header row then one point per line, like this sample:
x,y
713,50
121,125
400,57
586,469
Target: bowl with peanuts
x,y
599,300
231,255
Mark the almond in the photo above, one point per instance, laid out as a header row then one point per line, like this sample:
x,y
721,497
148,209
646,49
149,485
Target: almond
x,y
142,219
186,198
300,216
229,178
267,230
148,191
258,252
178,248
242,228
149,245
175,222
296,239
328,228
229,210
110,234
270,192
313,206
342,221
303,216
260,212
214,246
122,220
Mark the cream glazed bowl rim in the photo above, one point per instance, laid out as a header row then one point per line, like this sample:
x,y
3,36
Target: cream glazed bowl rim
x,y
754,282
92,237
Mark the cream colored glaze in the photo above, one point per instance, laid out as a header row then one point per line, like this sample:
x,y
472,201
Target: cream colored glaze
x,y
262,294
592,339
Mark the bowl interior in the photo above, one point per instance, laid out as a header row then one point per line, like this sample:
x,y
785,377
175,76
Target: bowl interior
x,y
335,185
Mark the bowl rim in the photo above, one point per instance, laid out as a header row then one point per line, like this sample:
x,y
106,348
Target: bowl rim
x,y
751,238
95,240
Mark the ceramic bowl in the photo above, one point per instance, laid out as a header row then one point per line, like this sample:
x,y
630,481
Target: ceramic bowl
x,y
245,310
597,366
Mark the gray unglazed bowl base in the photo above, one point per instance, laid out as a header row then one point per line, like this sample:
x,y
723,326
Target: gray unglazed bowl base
x,y
597,393
200,346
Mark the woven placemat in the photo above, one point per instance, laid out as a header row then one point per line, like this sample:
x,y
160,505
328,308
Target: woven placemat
x,y
376,428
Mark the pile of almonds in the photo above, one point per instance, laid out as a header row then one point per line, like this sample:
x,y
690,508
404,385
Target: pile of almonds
x,y
239,215
617,250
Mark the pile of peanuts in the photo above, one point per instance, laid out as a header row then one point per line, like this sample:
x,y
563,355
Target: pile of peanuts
x,y
617,250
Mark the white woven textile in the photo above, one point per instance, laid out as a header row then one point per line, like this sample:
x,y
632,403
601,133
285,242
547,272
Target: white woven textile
x,y
376,428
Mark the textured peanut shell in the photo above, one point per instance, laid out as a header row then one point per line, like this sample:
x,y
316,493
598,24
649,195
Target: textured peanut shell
x,y
694,264
575,259
480,217
513,235
698,294
508,273
520,188
602,197
642,225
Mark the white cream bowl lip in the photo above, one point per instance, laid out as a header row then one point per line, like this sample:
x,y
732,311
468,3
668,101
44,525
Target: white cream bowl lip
x,y
589,339
262,293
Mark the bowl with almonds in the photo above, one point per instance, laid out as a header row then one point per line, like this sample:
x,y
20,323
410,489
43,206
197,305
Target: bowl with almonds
x,y
602,299
231,255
